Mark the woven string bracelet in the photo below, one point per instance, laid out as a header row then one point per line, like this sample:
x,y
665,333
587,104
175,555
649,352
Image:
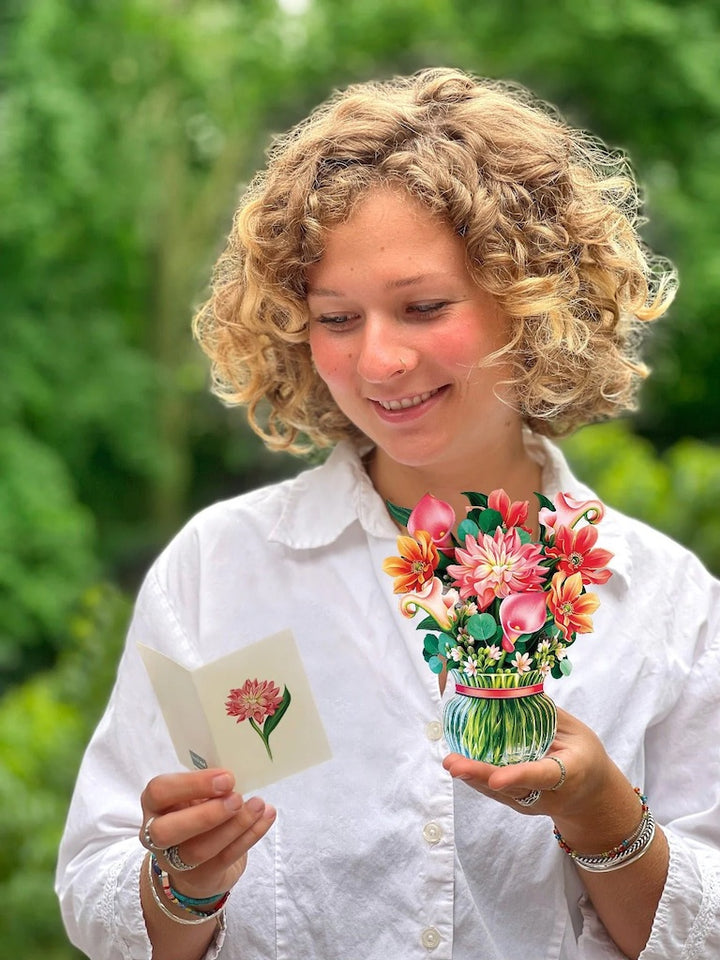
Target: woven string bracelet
x,y
217,913
625,853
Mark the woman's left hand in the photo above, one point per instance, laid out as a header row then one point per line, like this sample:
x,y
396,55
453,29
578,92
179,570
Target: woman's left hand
x,y
588,772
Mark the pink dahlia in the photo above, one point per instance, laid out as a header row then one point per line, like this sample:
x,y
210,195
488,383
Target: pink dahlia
x,y
256,699
496,567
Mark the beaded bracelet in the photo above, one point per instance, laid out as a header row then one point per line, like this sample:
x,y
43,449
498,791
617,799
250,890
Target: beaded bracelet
x,y
217,913
626,852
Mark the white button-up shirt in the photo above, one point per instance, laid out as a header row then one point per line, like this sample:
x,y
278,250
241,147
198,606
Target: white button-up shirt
x,y
378,854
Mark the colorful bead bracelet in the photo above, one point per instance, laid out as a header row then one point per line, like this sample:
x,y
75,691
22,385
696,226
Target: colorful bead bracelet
x,y
187,904
626,852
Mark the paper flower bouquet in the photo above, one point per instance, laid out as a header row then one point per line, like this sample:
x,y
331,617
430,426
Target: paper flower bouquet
x,y
501,609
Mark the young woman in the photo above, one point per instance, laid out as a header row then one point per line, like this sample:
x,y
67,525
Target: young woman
x,y
433,276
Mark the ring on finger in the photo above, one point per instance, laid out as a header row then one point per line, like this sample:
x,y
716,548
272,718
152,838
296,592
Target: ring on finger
x,y
145,839
563,773
529,799
173,857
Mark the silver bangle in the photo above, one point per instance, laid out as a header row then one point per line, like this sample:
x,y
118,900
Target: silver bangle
x,y
604,863
220,915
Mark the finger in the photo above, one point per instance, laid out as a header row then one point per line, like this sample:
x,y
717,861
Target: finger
x,y
178,825
171,790
461,768
218,852
545,774
251,831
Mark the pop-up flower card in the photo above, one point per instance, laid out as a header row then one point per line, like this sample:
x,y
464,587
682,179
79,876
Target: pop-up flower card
x,y
501,609
252,711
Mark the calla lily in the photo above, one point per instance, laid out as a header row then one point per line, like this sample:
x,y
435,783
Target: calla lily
x,y
521,613
435,516
569,511
432,600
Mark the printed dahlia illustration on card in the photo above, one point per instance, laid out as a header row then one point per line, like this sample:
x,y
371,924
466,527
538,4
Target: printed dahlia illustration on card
x,y
260,703
238,712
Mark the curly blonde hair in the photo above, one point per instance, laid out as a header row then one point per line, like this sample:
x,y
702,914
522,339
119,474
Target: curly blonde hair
x,y
549,217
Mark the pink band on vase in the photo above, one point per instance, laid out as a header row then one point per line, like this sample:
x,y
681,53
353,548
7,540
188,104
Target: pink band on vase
x,y
490,693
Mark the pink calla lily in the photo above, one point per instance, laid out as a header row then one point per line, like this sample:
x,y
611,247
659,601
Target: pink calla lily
x,y
569,511
435,516
432,600
521,613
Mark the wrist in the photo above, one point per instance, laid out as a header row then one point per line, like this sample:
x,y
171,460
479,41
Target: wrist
x,y
626,851
179,907
605,815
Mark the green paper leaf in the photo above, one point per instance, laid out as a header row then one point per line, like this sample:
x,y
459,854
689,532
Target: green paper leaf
x,y
476,499
544,502
467,527
428,623
274,720
436,664
430,643
556,672
482,626
401,514
565,667
490,520
474,514
524,536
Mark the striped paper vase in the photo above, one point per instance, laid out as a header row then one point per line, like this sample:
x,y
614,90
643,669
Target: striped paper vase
x,y
500,718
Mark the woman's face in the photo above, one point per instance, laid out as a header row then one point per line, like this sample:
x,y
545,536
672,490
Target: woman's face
x,y
397,328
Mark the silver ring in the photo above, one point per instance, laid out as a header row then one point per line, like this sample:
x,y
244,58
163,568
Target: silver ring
x,y
145,839
563,773
173,857
530,799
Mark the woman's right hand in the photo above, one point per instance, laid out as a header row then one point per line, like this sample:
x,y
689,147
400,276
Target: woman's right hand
x,y
212,827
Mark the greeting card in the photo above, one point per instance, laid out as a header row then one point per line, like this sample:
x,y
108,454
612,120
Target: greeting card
x,y
251,711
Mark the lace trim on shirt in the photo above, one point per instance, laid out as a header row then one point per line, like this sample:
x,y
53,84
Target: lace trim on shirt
x,y
695,947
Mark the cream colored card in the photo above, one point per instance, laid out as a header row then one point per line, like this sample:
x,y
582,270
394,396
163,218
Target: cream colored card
x,y
252,711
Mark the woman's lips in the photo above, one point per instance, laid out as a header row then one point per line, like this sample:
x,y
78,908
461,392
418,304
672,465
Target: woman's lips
x,y
409,407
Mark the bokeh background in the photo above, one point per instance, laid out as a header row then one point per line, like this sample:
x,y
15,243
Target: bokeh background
x,y
126,130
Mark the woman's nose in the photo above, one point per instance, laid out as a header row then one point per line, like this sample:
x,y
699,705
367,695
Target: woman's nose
x,y
383,355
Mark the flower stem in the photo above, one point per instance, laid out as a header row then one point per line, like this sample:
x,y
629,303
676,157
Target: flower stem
x,y
262,736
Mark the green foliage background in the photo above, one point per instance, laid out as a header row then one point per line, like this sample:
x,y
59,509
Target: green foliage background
x,y
125,131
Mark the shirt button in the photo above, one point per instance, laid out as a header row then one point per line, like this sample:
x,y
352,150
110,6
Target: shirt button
x,y
430,938
432,832
433,730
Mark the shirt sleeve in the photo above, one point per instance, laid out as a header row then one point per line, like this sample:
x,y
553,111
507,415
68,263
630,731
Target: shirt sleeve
x,y
683,776
100,856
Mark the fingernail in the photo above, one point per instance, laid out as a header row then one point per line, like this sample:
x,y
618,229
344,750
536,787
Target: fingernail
x,y
222,783
233,802
270,813
255,805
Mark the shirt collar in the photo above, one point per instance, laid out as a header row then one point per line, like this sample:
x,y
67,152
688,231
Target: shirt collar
x,y
323,502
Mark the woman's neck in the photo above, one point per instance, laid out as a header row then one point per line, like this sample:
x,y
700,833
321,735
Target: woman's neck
x,y
509,467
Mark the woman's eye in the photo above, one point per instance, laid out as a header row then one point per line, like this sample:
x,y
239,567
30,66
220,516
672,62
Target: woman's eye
x,y
335,319
428,308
